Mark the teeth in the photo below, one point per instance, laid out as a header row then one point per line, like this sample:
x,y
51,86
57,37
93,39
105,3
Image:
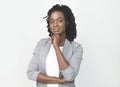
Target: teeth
x,y
56,29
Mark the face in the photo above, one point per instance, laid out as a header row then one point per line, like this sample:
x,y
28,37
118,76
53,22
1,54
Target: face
x,y
57,23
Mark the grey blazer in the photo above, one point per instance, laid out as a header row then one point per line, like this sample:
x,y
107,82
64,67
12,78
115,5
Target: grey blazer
x,y
71,51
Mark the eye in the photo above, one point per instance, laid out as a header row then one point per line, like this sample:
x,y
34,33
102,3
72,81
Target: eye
x,y
51,21
60,20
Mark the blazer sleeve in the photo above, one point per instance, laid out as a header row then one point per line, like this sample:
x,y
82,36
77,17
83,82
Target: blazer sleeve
x,y
72,70
33,71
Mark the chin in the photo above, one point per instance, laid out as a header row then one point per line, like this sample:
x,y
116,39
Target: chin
x,y
57,33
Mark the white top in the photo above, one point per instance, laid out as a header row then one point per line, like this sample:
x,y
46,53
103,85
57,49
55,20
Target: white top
x,y
52,67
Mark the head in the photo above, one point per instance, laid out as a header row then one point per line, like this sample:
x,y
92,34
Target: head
x,y
69,25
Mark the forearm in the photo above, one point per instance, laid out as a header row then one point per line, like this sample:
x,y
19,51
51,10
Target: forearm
x,y
49,79
63,63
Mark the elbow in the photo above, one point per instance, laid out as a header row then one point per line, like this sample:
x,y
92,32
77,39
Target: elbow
x,y
69,74
69,77
32,75
29,75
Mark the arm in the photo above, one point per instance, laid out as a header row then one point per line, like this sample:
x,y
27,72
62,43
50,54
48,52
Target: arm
x,y
33,72
69,69
63,63
49,79
72,70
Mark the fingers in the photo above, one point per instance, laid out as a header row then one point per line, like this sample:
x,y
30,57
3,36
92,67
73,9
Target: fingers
x,y
56,36
55,39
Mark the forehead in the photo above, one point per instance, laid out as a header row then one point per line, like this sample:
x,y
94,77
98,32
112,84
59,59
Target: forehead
x,y
56,15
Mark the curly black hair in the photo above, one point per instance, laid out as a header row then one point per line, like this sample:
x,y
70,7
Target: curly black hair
x,y
71,31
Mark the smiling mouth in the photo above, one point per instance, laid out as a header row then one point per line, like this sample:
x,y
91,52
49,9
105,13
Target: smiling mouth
x,y
56,30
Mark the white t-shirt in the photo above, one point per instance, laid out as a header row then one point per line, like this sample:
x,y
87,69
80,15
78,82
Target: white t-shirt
x,y
52,67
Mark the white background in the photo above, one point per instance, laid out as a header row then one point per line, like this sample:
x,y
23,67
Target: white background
x,y
98,26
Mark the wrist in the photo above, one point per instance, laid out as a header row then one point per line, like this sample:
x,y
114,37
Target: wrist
x,y
62,80
55,46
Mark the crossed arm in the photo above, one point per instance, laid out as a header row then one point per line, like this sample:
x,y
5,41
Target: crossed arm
x,y
49,79
69,69
62,65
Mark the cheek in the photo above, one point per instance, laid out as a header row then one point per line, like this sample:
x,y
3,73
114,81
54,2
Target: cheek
x,y
63,26
50,27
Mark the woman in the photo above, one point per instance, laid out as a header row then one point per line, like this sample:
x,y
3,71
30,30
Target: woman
x,y
56,60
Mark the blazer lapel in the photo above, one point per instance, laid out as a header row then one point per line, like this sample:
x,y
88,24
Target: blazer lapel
x,y
67,50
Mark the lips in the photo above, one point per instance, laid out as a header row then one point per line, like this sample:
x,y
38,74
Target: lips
x,y
56,30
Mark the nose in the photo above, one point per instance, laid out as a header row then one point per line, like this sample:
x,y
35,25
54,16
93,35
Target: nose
x,y
55,24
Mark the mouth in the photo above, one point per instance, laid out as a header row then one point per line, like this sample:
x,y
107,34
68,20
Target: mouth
x,y
56,30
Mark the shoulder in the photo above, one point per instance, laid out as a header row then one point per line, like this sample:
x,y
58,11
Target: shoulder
x,y
77,46
43,41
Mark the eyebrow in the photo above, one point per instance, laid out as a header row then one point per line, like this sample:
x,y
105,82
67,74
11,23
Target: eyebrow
x,y
58,18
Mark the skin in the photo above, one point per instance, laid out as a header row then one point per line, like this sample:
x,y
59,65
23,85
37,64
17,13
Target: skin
x,y
57,26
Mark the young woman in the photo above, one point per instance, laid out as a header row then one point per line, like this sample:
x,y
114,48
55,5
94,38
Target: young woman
x,y
56,60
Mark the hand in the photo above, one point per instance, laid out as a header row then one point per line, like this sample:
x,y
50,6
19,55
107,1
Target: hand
x,y
63,80
55,40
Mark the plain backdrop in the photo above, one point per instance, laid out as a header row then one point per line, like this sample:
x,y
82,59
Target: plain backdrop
x,y
98,30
